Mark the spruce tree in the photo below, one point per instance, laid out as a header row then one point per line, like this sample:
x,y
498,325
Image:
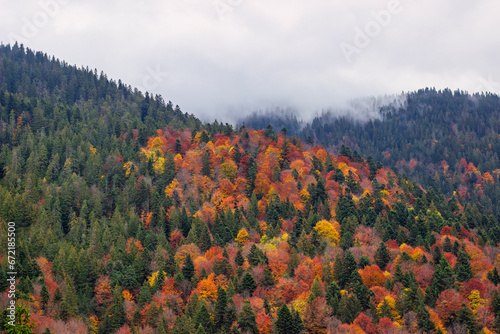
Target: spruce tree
x,y
239,259
203,319
462,268
424,321
382,256
69,306
220,308
246,319
205,241
188,268
493,276
248,283
45,296
284,320
115,317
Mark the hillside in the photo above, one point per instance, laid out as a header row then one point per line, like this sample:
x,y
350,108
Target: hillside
x,y
133,217
447,140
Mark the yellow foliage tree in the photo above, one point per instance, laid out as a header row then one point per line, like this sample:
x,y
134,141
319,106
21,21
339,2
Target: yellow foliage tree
x,y
475,300
328,230
229,170
170,188
242,238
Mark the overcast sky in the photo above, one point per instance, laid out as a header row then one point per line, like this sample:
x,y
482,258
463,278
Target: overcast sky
x,y
219,58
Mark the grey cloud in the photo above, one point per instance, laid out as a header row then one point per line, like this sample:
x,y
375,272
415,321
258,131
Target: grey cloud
x,y
260,54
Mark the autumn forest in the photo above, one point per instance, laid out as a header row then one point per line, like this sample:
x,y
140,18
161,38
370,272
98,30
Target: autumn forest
x,y
134,217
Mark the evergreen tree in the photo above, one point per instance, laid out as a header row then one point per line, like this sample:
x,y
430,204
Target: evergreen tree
x,y
467,317
220,308
424,321
348,271
493,276
284,320
297,325
206,168
442,278
203,319
256,256
239,259
44,295
462,268
69,305
246,319
188,270
115,317
248,283
382,256
205,241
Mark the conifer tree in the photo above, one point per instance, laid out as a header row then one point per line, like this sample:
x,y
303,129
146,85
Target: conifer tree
x,y
220,308
248,283
69,306
246,319
188,268
462,268
382,256
284,320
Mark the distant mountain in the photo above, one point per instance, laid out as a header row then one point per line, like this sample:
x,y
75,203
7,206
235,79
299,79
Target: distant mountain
x,y
449,140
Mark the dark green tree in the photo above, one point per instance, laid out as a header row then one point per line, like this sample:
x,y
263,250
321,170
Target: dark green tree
x,y
246,319
203,319
188,268
248,283
382,256
284,320
462,268
45,296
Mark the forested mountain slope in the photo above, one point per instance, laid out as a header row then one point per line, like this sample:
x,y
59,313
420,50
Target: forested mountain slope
x,y
133,217
448,140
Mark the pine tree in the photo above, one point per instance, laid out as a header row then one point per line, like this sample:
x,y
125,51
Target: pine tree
x,y
45,296
115,317
69,305
23,323
188,270
382,256
447,246
248,283
205,241
239,259
268,279
256,256
220,308
297,325
206,169
284,320
466,317
493,276
424,321
201,330
203,319
442,278
246,319
316,290
462,268
349,268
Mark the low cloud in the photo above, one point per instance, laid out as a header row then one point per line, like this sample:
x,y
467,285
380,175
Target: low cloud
x,y
218,58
